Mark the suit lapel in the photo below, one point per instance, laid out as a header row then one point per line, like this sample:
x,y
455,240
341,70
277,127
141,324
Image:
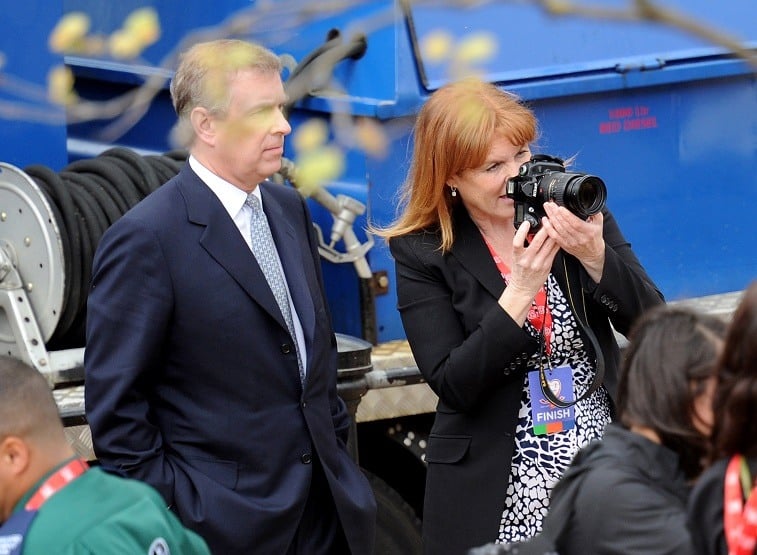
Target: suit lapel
x,y
221,239
471,250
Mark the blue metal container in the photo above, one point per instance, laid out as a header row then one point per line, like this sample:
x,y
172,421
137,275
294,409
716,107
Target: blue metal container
x,y
667,119
32,129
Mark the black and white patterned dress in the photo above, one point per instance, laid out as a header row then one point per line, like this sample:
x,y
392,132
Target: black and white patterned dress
x,y
539,461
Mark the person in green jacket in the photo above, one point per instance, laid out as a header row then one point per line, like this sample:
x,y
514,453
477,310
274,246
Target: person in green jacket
x,y
53,502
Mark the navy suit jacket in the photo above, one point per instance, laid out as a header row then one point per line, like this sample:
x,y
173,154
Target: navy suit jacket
x,y
192,382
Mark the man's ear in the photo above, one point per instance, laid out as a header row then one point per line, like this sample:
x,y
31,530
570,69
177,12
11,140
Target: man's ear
x,y
14,456
204,125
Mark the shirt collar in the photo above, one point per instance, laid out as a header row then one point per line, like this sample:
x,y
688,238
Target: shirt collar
x,y
232,197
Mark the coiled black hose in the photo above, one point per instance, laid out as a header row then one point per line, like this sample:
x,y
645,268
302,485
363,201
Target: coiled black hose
x,y
86,197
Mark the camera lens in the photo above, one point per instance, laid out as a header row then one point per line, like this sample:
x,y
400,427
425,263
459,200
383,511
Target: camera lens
x,y
582,194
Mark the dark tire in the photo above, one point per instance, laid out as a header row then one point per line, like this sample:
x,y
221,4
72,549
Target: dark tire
x,y
398,528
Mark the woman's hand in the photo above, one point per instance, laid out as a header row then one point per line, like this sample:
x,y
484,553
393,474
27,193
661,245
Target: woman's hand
x,y
530,267
581,238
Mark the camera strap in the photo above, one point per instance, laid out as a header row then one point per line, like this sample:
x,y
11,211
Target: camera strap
x,y
599,374
540,317
596,382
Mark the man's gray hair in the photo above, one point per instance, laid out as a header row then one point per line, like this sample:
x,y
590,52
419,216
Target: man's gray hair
x,y
204,74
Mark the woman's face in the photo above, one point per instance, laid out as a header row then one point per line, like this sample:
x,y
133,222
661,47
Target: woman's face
x,y
483,189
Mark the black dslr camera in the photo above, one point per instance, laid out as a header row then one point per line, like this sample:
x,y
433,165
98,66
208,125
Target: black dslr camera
x,y
542,179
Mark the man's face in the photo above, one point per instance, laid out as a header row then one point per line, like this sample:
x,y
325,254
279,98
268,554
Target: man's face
x,y
250,136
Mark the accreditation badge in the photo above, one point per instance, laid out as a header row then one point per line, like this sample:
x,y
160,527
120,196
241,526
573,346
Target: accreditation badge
x,y
546,417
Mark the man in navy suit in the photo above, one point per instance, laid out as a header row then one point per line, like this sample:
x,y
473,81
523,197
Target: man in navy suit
x,y
192,377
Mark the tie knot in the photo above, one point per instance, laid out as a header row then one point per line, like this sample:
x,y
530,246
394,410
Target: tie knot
x,y
253,202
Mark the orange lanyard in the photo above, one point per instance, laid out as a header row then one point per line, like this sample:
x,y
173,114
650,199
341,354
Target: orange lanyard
x,y
739,518
539,314
57,481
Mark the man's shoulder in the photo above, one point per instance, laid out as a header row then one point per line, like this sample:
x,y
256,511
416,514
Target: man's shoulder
x,y
162,209
101,512
138,520
165,195
152,212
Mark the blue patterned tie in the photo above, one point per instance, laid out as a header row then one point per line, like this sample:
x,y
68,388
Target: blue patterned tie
x,y
265,253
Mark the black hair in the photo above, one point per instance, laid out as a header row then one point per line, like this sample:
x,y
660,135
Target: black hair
x,y
735,405
671,355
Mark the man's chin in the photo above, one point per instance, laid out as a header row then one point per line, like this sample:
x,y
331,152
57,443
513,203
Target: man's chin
x,y
272,166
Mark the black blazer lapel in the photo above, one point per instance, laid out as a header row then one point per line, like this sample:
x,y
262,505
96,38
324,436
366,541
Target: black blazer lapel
x,y
471,250
221,239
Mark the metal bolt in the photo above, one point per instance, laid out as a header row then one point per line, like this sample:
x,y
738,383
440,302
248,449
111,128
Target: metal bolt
x,y
29,287
42,362
383,281
27,241
3,216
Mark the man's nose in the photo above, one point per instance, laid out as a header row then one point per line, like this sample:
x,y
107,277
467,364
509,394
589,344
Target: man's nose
x,y
281,125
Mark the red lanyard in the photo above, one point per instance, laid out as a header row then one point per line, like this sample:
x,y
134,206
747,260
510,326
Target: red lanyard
x,y
740,521
57,481
539,314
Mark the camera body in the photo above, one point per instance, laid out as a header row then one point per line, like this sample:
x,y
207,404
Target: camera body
x,y
542,179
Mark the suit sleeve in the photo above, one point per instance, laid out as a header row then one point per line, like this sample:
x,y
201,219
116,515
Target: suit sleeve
x,y
128,311
463,362
625,289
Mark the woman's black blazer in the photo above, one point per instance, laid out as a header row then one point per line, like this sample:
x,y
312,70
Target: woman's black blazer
x,y
473,355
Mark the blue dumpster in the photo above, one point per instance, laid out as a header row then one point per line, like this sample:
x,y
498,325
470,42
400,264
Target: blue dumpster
x,y
667,118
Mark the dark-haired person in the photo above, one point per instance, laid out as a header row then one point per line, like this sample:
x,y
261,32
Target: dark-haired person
x,y
635,483
730,481
626,493
51,502
499,311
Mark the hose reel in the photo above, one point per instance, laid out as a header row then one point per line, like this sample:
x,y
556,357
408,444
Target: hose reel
x,y
50,224
31,268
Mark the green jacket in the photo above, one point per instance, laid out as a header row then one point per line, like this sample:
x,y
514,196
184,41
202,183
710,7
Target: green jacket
x,y
103,514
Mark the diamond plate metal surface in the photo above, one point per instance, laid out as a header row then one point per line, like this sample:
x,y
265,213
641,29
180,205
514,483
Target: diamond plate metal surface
x,y
392,354
70,401
70,398
379,404
80,439
390,396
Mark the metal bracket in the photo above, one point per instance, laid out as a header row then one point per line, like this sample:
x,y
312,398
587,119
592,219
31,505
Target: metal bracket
x,y
15,303
355,250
